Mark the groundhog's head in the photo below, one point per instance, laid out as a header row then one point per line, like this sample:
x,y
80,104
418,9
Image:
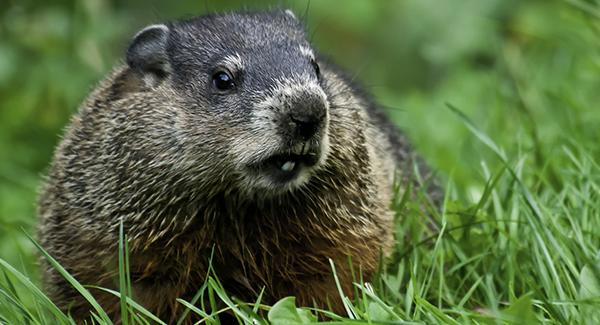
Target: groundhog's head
x,y
254,103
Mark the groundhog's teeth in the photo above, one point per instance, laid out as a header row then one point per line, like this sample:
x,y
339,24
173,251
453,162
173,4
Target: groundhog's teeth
x,y
299,148
288,166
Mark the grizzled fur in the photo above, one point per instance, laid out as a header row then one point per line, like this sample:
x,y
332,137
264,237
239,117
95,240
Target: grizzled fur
x,y
181,165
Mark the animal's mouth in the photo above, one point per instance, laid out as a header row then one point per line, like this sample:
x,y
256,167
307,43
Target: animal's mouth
x,y
287,166
288,163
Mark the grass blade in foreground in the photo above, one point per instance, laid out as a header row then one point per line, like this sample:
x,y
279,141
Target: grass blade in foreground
x,y
83,291
45,301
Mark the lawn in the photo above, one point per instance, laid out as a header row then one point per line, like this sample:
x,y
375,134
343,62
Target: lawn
x,y
501,97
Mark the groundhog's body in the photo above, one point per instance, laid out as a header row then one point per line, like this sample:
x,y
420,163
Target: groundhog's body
x,y
277,166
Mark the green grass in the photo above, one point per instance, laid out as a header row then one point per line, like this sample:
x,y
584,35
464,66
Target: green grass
x,y
500,96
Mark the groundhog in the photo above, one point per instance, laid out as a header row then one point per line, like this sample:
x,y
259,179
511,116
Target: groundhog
x,y
228,136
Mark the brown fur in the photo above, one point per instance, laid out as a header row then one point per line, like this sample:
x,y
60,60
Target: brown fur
x,y
129,155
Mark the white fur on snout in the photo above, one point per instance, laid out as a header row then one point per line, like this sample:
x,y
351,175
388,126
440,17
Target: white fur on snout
x,y
290,88
261,139
254,146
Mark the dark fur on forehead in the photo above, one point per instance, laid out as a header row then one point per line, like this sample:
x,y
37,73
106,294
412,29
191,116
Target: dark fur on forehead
x,y
242,28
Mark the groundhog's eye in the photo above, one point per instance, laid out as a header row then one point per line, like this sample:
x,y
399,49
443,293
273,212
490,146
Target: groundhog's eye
x,y
316,67
222,80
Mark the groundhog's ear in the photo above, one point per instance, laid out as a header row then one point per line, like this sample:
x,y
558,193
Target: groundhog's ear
x,y
147,53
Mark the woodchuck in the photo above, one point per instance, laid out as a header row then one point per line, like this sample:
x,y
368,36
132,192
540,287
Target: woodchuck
x,y
227,135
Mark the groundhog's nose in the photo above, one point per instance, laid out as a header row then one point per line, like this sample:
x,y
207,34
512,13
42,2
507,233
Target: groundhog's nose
x,y
307,125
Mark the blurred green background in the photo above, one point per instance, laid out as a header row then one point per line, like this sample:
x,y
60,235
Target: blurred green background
x,y
526,72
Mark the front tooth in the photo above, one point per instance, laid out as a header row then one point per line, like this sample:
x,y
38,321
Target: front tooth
x,y
288,166
298,148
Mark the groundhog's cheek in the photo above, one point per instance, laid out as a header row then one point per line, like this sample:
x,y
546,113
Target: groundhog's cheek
x,y
253,145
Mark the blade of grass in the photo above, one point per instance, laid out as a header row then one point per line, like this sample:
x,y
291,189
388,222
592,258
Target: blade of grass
x,y
76,285
123,277
133,304
36,292
195,299
196,310
22,310
340,291
223,296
